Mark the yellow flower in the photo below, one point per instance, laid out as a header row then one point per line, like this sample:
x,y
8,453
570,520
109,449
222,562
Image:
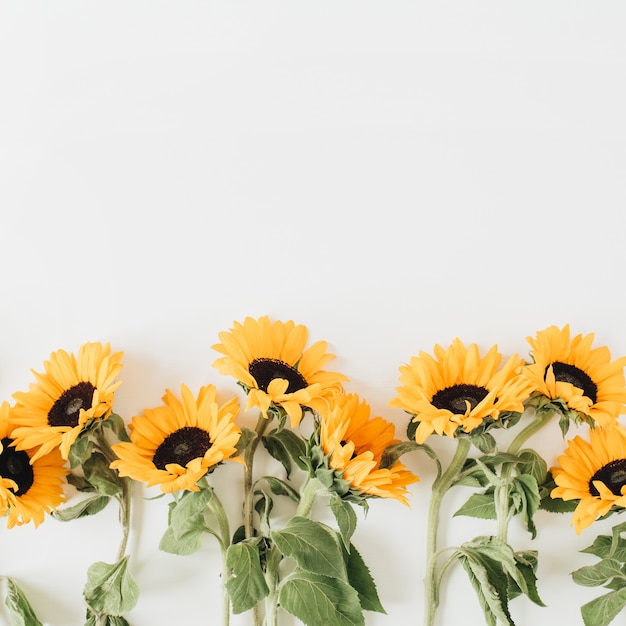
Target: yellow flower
x,y
271,361
176,444
458,391
29,487
73,391
584,378
355,443
593,472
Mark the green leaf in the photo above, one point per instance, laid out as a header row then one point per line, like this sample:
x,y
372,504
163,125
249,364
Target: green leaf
x,y
245,439
479,505
277,450
318,600
490,583
80,450
246,583
602,610
525,486
345,516
110,589
361,580
526,563
532,463
88,506
184,514
116,424
281,488
602,547
188,542
20,610
295,445
80,483
314,546
484,442
263,506
100,475
597,574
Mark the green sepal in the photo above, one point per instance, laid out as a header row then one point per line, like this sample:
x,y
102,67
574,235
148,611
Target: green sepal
x,y
116,424
314,546
318,600
246,583
88,506
97,471
603,610
360,578
110,589
20,610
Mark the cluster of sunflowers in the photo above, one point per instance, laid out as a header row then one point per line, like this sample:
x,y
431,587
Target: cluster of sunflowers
x,y
56,440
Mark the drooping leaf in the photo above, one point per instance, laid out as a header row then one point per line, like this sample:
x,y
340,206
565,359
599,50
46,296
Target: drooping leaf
x,y
281,488
110,589
314,546
293,444
345,516
246,584
318,600
277,450
20,610
360,578
97,472
88,506
116,424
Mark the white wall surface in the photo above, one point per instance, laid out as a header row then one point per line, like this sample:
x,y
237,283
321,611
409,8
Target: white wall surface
x,y
390,174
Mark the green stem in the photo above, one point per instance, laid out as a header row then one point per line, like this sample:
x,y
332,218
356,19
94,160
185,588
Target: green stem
x,y
440,487
503,513
271,578
308,493
248,493
215,506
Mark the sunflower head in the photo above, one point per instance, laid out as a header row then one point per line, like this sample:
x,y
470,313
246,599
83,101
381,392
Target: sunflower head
x,y
346,452
176,444
70,393
456,391
272,363
581,383
593,473
29,487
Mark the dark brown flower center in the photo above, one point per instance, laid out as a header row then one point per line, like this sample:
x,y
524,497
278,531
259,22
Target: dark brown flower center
x,y
264,371
613,475
455,398
66,410
183,445
15,464
566,373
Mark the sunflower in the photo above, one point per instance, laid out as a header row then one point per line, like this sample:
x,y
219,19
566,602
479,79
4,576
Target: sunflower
x,y
73,391
29,487
593,472
458,391
176,444
584,378
354,444
270,361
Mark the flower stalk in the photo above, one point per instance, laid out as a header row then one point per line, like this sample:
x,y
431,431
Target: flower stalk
x,y
440,486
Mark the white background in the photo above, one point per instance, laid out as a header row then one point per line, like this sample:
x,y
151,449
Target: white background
x,y
390,174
